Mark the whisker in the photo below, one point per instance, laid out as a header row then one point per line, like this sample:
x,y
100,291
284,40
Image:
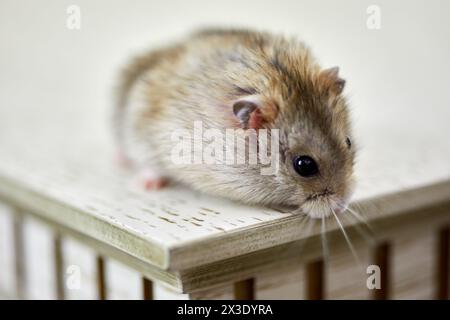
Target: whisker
x,y
365,234
357,216
305,218
371,202
359,207
361,222
360,219
347,239
307,232
324,239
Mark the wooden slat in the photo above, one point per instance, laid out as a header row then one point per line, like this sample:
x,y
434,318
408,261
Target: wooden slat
x,y
382,253
431,215
345,275
226,271
123,282
147,289
19,251
101,278
80,269
281,283
59,267
315,280
244,290
7,264
443,264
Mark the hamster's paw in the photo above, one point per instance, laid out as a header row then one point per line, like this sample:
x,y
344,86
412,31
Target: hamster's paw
x,y
151,180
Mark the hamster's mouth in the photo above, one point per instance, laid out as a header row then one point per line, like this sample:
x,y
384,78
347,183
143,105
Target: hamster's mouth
x,y
323,205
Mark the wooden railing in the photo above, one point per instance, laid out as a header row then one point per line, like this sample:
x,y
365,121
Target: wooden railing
x,y
181,244
422,273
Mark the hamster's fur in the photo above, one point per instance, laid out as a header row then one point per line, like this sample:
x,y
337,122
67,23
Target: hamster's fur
x,y
204,78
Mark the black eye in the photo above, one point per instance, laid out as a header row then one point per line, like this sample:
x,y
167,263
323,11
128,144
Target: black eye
x,y
305,166
348,142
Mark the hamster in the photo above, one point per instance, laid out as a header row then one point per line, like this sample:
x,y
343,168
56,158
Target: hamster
x,y
243,80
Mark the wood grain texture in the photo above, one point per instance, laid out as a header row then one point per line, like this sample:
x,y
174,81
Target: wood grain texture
x,y
341,268
286,283
224,292
414,253
345,274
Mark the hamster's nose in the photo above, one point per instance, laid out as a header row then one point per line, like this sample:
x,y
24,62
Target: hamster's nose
x,y
338,208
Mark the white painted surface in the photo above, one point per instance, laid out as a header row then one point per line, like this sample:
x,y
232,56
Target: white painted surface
x,y
7,273
162,292
123,283
39,261
79,260
55,97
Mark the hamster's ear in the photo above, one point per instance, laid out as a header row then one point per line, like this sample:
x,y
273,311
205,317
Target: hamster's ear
x,y
252,111
331,78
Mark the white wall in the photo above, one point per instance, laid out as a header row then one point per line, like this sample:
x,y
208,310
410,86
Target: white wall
x,y
402,65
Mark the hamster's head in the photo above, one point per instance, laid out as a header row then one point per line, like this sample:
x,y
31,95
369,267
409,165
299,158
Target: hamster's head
x,y
316,146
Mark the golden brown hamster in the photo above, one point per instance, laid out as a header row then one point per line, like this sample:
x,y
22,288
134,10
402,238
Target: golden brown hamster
x,y
243,81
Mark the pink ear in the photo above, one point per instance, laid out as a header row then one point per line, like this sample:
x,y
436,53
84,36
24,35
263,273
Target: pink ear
x,y
331,78
252,111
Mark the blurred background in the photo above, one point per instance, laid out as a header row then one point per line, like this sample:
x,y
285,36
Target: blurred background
x,y
403,63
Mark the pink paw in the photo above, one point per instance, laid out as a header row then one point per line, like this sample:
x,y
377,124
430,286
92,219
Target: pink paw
x,y
152,181
156,184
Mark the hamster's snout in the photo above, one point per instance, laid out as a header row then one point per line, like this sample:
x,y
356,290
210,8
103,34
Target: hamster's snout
x,y
323,198
321,194
323,204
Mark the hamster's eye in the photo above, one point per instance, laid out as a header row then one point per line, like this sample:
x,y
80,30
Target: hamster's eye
x,y
305,166
348,142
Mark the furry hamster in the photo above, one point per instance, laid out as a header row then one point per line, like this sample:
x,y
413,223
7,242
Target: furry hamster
x,y
243,80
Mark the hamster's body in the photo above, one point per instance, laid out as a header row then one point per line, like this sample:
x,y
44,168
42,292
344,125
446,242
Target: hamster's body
x,y
240,79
